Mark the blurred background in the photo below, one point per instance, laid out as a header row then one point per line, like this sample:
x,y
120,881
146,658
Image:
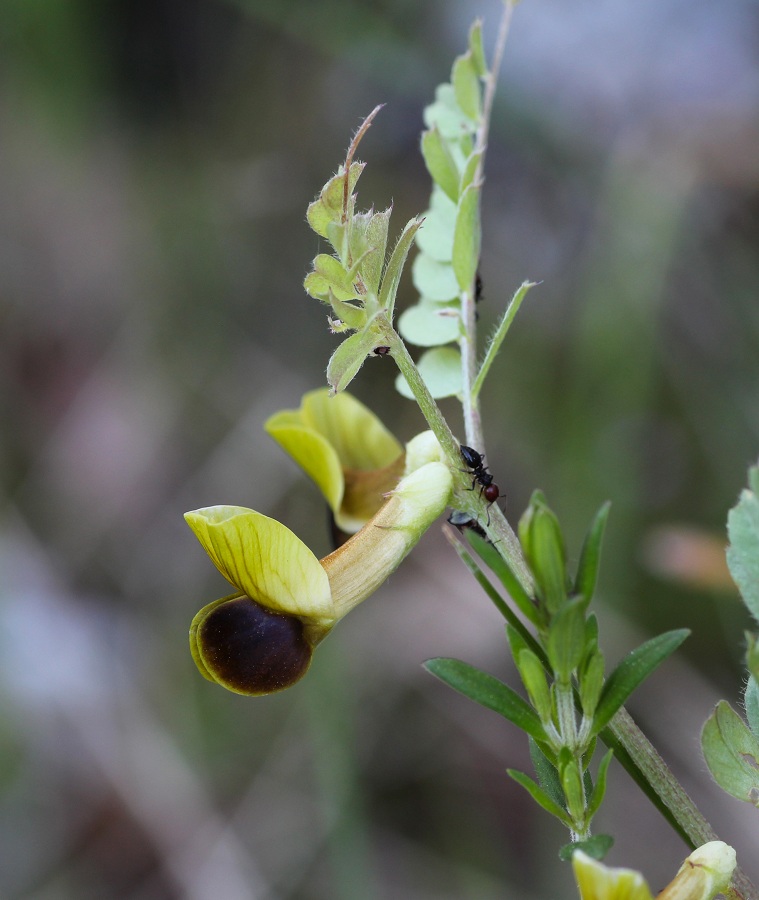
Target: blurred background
x,y
156,161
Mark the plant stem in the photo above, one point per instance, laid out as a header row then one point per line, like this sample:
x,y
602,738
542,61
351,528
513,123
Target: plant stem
x,y
498,529
672,796
430,410
468,341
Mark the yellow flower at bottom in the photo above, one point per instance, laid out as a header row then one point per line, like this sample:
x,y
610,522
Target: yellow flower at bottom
x,y
705,873
260,639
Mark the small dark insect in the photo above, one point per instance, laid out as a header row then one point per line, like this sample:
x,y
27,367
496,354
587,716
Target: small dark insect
x,y
381,351
478,287
474,461
463,521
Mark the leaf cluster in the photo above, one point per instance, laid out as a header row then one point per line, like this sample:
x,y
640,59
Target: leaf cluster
x,y
449,243
570,698
359,281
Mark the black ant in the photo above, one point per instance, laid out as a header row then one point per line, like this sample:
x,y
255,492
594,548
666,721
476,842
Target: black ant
x,y
381,351
475,461
464,521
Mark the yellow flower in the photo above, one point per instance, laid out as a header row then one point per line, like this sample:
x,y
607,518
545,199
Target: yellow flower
x,y
345,449
705,873
260,639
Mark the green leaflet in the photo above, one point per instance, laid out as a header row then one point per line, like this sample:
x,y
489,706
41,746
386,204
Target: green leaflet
x,y
429,324
441,370
743,552
328,206
440,163
590,555
394,267
540,796
632,671
731,752
467,237
466,86
434,280
489,692
348,359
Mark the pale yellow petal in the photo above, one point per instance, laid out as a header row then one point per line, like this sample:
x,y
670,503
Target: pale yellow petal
x,y
313,453
265,560
599,882
360,439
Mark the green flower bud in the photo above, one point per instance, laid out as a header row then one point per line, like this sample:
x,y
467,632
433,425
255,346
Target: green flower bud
x,y
543,545
261,638
422,449
706,872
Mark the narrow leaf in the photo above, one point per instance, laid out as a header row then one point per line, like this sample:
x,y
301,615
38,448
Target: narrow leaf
x,y
508,579
632,671
440,164
467,237
446,114
596,847
476,48
487,691
394,269
566,639
540,796
547,773
376,240
466,86
348,359
590,556
599,789
500,333
515,625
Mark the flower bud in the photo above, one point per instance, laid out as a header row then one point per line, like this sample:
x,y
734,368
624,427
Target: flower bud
x,y
543,545
706,872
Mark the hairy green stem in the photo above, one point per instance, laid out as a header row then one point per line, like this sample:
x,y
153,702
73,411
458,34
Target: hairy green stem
x,y
430,410
468,340
566,715
498,529
688,818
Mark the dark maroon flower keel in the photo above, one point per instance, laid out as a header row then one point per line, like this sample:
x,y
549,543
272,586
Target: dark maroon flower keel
x,y
251,650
